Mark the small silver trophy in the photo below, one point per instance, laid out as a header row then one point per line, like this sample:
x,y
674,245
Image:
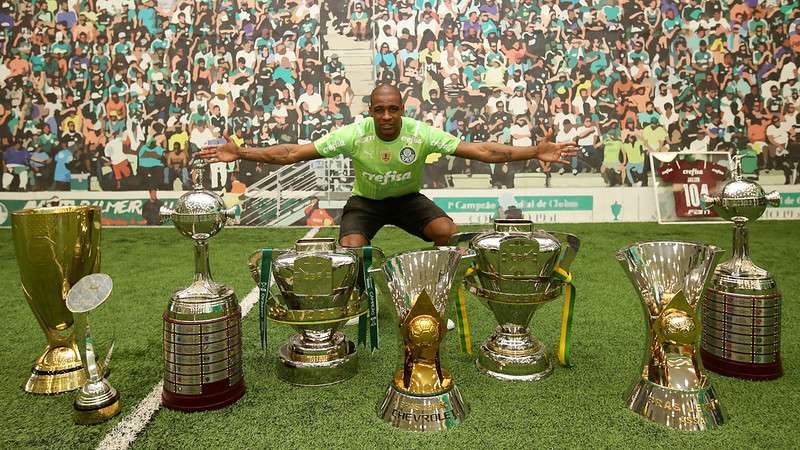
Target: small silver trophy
x,y
97,401
742,306
202,324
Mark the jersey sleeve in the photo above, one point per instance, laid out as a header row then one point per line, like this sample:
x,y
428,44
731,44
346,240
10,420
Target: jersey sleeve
x,y
669,172
338,142
438,141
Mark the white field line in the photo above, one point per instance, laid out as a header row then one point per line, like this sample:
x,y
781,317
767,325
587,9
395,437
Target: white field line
x,y
125,432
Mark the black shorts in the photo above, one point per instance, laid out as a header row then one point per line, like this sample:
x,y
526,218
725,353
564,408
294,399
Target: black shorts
x,y
411,212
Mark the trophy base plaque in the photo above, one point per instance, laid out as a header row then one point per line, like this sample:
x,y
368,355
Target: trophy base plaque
x,y
213,396
58,370
688,410
318,363
729,368
514,357
414,412
97,414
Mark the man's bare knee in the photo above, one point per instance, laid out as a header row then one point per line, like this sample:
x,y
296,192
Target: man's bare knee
x,y
353,240
439,230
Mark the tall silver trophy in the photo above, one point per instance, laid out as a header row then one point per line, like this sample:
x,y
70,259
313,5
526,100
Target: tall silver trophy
x,y
517,271
742,306
422,395
202,323
318,287
97,401
670,278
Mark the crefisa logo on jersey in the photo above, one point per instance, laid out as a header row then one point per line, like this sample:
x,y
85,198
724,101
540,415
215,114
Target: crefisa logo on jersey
x,y
408,155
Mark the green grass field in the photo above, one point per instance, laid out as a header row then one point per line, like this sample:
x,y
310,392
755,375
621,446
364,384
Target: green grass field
x,y
578,407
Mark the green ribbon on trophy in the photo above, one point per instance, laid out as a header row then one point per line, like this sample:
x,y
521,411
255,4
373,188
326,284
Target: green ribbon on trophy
x,y
564,342
263,294
371,317
462,320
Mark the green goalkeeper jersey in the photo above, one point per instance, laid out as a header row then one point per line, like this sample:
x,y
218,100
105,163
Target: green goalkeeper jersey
x,y
387,169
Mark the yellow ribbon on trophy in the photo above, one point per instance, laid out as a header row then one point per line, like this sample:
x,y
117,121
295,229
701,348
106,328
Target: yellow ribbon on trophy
x,y
564,341
464,333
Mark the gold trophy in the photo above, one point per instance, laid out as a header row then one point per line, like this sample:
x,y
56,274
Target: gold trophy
x,y
97,400
55,248
670,278
422,395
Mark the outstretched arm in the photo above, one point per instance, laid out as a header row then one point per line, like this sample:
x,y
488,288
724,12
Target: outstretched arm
x,y
493,152
282,154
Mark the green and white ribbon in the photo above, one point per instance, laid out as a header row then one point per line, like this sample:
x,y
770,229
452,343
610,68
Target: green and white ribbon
x,y
371,318
263,294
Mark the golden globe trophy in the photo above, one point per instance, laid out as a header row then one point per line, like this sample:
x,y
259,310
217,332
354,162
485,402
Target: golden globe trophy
x,y
670,278
422,395
55,247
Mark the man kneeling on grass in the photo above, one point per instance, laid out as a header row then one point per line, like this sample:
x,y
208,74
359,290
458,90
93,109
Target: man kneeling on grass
x,y
388,153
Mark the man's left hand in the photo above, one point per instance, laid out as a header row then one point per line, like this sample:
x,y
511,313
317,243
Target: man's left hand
x,y
549,151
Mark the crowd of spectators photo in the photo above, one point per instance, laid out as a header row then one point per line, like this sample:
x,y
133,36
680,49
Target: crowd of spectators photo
x,y
121,93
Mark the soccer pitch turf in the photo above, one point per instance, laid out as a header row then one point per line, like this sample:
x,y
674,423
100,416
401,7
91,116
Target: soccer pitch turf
x,y
578,407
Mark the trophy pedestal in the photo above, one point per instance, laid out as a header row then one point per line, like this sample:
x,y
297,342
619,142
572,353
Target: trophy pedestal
x,y
742,326
319,363
213,396
757,372
514,355
58,370
95,416
414,412
685,409
96,403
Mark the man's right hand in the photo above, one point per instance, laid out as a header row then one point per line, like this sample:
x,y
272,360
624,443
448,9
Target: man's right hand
x,y
220,153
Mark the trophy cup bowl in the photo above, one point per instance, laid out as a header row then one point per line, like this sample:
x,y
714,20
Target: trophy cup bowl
x,y
422,396
670,278
513,278
97,401
316,291
55,247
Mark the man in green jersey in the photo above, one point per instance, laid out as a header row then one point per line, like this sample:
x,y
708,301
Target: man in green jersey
x,y
388,153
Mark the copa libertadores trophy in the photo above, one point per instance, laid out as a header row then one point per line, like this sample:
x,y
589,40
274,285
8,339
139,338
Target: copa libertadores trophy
x,y
97,401
670,278
55,247
202,323
319,288
517,271
422,395
742,306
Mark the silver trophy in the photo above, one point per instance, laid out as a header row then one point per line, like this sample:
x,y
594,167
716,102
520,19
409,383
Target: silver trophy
x,y
670,278
513,276
742,306
97,401
422,395
318,288
202,324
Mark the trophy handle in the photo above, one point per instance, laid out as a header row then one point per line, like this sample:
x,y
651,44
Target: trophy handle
x,y
570,244
254,262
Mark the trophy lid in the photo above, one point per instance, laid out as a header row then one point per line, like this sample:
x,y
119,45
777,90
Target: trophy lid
x,y
315,266
89,292
739,198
